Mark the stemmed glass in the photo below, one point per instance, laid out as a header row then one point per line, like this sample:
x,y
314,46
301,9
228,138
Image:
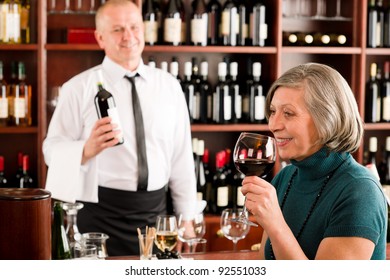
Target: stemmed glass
x,y
166,232
320,9
231,229
338,11
191,229
253,155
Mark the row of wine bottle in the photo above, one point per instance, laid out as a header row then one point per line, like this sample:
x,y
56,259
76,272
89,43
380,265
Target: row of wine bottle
x,y
378,24
15,97
314,39
235,23
227,101
15,22
377,98
22,178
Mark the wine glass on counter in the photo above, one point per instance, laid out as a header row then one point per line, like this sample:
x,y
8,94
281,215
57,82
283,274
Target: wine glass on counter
x,y
166,232
191,229
232,229
254,155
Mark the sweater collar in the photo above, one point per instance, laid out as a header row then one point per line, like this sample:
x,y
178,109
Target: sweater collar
x,y
320,163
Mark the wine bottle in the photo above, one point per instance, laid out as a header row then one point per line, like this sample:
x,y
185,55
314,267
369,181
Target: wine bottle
x,y
174,70
243,23
173,24
150,22
385,93
25,22
257,97
209,190
11,22
20,106
321,39
152,62
3,179
3,98
235,89
222,101
220,183
386,35
372,20
259,28
372,105
201,178
246,93
164,66
26,181
106,107
188,88
199,23
60,249
237,197
214,10
19,171
337,39
205,95
290,38
380,25
229,23
384,166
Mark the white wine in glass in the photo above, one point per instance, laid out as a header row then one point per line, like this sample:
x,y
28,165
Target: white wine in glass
x,y
166,232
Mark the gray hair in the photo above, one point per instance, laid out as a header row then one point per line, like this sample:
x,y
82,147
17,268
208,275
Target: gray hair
x,y
330,102
112,3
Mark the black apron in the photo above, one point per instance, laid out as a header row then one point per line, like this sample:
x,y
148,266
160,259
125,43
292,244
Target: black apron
x,y
118,214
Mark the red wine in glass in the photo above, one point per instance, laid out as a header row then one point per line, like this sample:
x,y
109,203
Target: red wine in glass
x,y
254,167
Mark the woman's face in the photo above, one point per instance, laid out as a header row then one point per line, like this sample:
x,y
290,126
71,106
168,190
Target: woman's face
x,y
292,125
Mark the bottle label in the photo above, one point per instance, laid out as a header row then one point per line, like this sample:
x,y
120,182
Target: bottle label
x,y
210,107
196,109
240,197
222,196
150,31
386,108
172,30
227,104
3,108
199,30
216,107
12,24
260,107
378,111
113,114
19,107
237,102
199,196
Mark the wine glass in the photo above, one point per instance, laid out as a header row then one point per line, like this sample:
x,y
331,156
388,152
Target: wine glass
x,y
253,155
191,229
166,232
232,229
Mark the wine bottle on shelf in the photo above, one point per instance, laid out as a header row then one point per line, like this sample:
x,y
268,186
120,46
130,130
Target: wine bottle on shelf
x,y
257,97
386,35
172,24
19,171
246,92
243,23
259,28
20,105
152,62
150,22
229,23
11,12
25,22
372,21
26,181
380,25
220,183
384,166
105,106
338,39
385,93
183,35
321,39
60,249
372,105
3,179
222,100
3,99
195,156
199,23
214,10
205,95
164,66
235,93
201,178
371,162
290,38
188,88
209,190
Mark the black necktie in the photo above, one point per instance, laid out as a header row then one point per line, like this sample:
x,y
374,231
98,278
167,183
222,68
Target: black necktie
x,y
140,137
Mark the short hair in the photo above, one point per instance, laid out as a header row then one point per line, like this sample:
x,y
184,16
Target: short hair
x,y
330,101
111,3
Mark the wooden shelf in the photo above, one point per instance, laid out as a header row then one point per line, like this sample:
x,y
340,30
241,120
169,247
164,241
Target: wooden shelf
x,y
19,130
228,127
19,47
322,50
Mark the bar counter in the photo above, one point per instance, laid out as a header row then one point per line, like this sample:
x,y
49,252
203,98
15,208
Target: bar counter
x,y
223,255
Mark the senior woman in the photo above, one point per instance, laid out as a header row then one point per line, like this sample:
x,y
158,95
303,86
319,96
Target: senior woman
x,y
324,205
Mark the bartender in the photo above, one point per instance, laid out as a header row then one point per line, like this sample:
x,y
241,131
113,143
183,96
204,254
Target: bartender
x,y
121,187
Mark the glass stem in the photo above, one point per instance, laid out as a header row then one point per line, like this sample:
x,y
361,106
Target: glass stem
x,y
235,245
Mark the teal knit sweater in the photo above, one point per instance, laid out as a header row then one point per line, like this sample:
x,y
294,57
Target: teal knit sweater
x,y
352,203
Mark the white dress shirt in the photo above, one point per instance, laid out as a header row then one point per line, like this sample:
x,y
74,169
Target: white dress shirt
x,y
167,133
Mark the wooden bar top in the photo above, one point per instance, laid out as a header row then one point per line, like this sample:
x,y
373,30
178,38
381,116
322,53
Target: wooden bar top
x,y
223,255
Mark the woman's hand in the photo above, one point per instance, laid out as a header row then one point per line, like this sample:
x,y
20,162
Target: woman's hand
x,y
262,202
102,137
